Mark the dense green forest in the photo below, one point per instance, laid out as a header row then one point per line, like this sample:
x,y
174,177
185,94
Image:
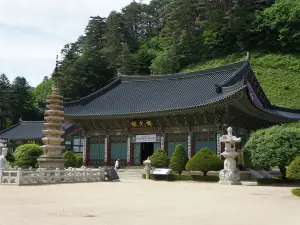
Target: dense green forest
x,y
168,36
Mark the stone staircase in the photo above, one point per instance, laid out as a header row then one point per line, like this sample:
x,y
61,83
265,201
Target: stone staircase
x,y
259,174
130,173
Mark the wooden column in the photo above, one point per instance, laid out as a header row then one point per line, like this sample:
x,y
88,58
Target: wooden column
x,y
107,150
163,140
128,150
192,144
219,147
189,144
85,155
131,154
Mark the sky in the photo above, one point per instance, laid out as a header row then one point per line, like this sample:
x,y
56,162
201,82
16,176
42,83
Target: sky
x,y
32,32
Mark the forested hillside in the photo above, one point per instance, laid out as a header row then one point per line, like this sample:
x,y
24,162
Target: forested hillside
x,y
279,74
167,36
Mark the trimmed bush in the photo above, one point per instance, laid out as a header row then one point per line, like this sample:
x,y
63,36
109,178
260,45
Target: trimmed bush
x,y
275,146
160,159
185,177
275,182
69,159
26,155
79,159
10,157
296,192
178,159
205,160
293,170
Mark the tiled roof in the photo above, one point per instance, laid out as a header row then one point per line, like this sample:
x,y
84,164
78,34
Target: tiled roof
x,y
26,130
129,95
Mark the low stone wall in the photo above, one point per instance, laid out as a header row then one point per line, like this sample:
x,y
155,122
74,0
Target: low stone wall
x,y
42,176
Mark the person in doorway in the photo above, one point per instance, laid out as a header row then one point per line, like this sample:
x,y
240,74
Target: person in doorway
x,y
117,165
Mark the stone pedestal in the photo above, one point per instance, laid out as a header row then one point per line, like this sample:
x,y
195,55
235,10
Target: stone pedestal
x,y
230,175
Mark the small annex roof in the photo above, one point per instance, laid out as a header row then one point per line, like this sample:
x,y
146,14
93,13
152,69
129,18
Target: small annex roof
x,y
26,130
154,95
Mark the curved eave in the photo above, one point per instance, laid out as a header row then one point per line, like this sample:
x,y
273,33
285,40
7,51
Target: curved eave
x,y
272,115
233,96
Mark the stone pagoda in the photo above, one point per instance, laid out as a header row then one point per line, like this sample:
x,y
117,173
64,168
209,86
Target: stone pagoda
x,y
230,175
52,159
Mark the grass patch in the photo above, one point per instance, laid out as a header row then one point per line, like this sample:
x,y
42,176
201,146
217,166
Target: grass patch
x,y
185,177
278,74
296,192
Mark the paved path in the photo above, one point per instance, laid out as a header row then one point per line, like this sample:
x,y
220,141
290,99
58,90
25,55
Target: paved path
x,y
140,202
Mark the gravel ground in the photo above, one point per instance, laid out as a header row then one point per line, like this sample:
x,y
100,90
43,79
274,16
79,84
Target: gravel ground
x,y
140,202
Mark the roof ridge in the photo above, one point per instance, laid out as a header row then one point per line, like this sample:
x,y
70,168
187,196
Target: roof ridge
x,y
179,75
9,128
94,94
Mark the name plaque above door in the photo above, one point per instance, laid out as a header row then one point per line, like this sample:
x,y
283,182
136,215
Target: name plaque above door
x,y
145,138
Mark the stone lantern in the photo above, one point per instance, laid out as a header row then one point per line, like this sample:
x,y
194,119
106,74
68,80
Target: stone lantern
x,y
147,167
230,175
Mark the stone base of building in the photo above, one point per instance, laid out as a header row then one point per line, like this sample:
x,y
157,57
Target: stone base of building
x,y
46,162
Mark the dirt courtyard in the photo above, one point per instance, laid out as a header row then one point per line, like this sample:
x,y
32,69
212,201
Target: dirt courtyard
x,y
140,202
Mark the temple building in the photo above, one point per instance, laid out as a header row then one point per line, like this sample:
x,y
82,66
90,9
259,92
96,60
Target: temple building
x,y
30,132
133,116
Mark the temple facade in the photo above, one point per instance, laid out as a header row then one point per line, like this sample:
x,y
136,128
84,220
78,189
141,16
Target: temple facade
x,y
133,116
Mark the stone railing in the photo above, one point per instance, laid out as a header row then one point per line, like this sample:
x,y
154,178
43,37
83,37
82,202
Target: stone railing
x,y
41,176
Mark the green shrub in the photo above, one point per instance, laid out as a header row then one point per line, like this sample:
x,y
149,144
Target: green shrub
x,y
69,159
79,160
296,191
10,157
205,160
275,182
185,177
293,170
178,159
26,155
275,146
160,159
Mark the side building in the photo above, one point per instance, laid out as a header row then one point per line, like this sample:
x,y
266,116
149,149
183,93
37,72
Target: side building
x,y
133,116
30,132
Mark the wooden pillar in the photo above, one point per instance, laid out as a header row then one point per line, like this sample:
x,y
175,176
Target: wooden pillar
x,y
107,150
131,154
163,140
85,154
191,138
128,150
219,147
189,144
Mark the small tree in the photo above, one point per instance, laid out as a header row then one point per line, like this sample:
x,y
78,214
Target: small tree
x,y
69,159
26,155
178,159
160,159
205,160
79,159
293,170
275,146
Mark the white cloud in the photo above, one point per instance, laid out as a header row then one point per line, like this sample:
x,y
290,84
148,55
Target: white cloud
x,y
32,32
